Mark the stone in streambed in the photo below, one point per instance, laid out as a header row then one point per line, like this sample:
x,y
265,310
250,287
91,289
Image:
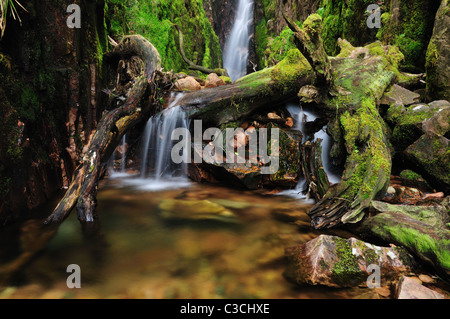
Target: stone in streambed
x,y
213,80
195,210
337,262
408,288
431,155
188,84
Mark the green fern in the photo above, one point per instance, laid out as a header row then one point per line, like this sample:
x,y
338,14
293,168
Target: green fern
x,y
5,6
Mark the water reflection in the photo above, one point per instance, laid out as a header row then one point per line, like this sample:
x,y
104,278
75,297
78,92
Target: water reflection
x,y
138,253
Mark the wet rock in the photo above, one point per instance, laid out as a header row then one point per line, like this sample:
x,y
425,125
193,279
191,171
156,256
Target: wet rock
x,y
419,230
399,96
426,279
195,210
213,80
430,154
273,116
188,84
408,288
250,174
439,123
436,216
337,262
438,56
412,122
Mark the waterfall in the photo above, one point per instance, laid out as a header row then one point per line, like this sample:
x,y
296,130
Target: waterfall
x,y
116,173
124,154
158,171
302,117
237,47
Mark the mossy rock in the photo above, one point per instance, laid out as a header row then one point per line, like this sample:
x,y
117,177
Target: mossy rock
x,y
409,122
431,155
428,243
337,262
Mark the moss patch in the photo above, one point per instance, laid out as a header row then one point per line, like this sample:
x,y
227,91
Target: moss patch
x,y
154,19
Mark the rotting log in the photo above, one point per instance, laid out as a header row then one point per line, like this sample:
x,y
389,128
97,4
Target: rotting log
x,y
265,88
192,65
354,84
112,126
313,170
309,42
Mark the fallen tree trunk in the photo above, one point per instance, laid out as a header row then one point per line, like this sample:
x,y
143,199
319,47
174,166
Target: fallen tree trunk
x,y
113,125
355,85
268,87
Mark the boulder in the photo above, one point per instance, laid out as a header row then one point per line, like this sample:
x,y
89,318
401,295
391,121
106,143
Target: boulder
x,y
438,55
188,84
436,216
430,155
408,288
213,80
420,231
337,262
412,122
399,96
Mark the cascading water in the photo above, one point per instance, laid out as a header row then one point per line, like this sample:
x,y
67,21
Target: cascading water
x,y
237,47
304,116
116,173
158,171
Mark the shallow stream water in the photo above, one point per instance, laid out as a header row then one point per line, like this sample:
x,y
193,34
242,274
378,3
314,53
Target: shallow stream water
x,y
138,253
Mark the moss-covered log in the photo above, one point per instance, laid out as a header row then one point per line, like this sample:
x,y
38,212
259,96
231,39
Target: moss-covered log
x,y
358,80
313,169
113,125
255,91
309,42
419,229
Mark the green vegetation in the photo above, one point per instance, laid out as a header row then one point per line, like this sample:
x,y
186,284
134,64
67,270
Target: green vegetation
x,y
154,19
346,270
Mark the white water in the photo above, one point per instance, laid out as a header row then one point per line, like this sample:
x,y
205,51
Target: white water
x,y
157,163
303,116
237,47
158,171
122,172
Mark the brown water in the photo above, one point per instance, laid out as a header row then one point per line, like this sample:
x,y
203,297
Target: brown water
x,y
139,254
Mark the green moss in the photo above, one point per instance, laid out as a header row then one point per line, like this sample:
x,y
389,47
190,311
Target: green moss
x,y
346,270
432,55
411,32
410,175
278,48
422,243
261,41
153,19
364,125
290,69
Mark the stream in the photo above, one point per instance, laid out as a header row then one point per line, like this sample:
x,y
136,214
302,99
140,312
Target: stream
x,y
138,253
